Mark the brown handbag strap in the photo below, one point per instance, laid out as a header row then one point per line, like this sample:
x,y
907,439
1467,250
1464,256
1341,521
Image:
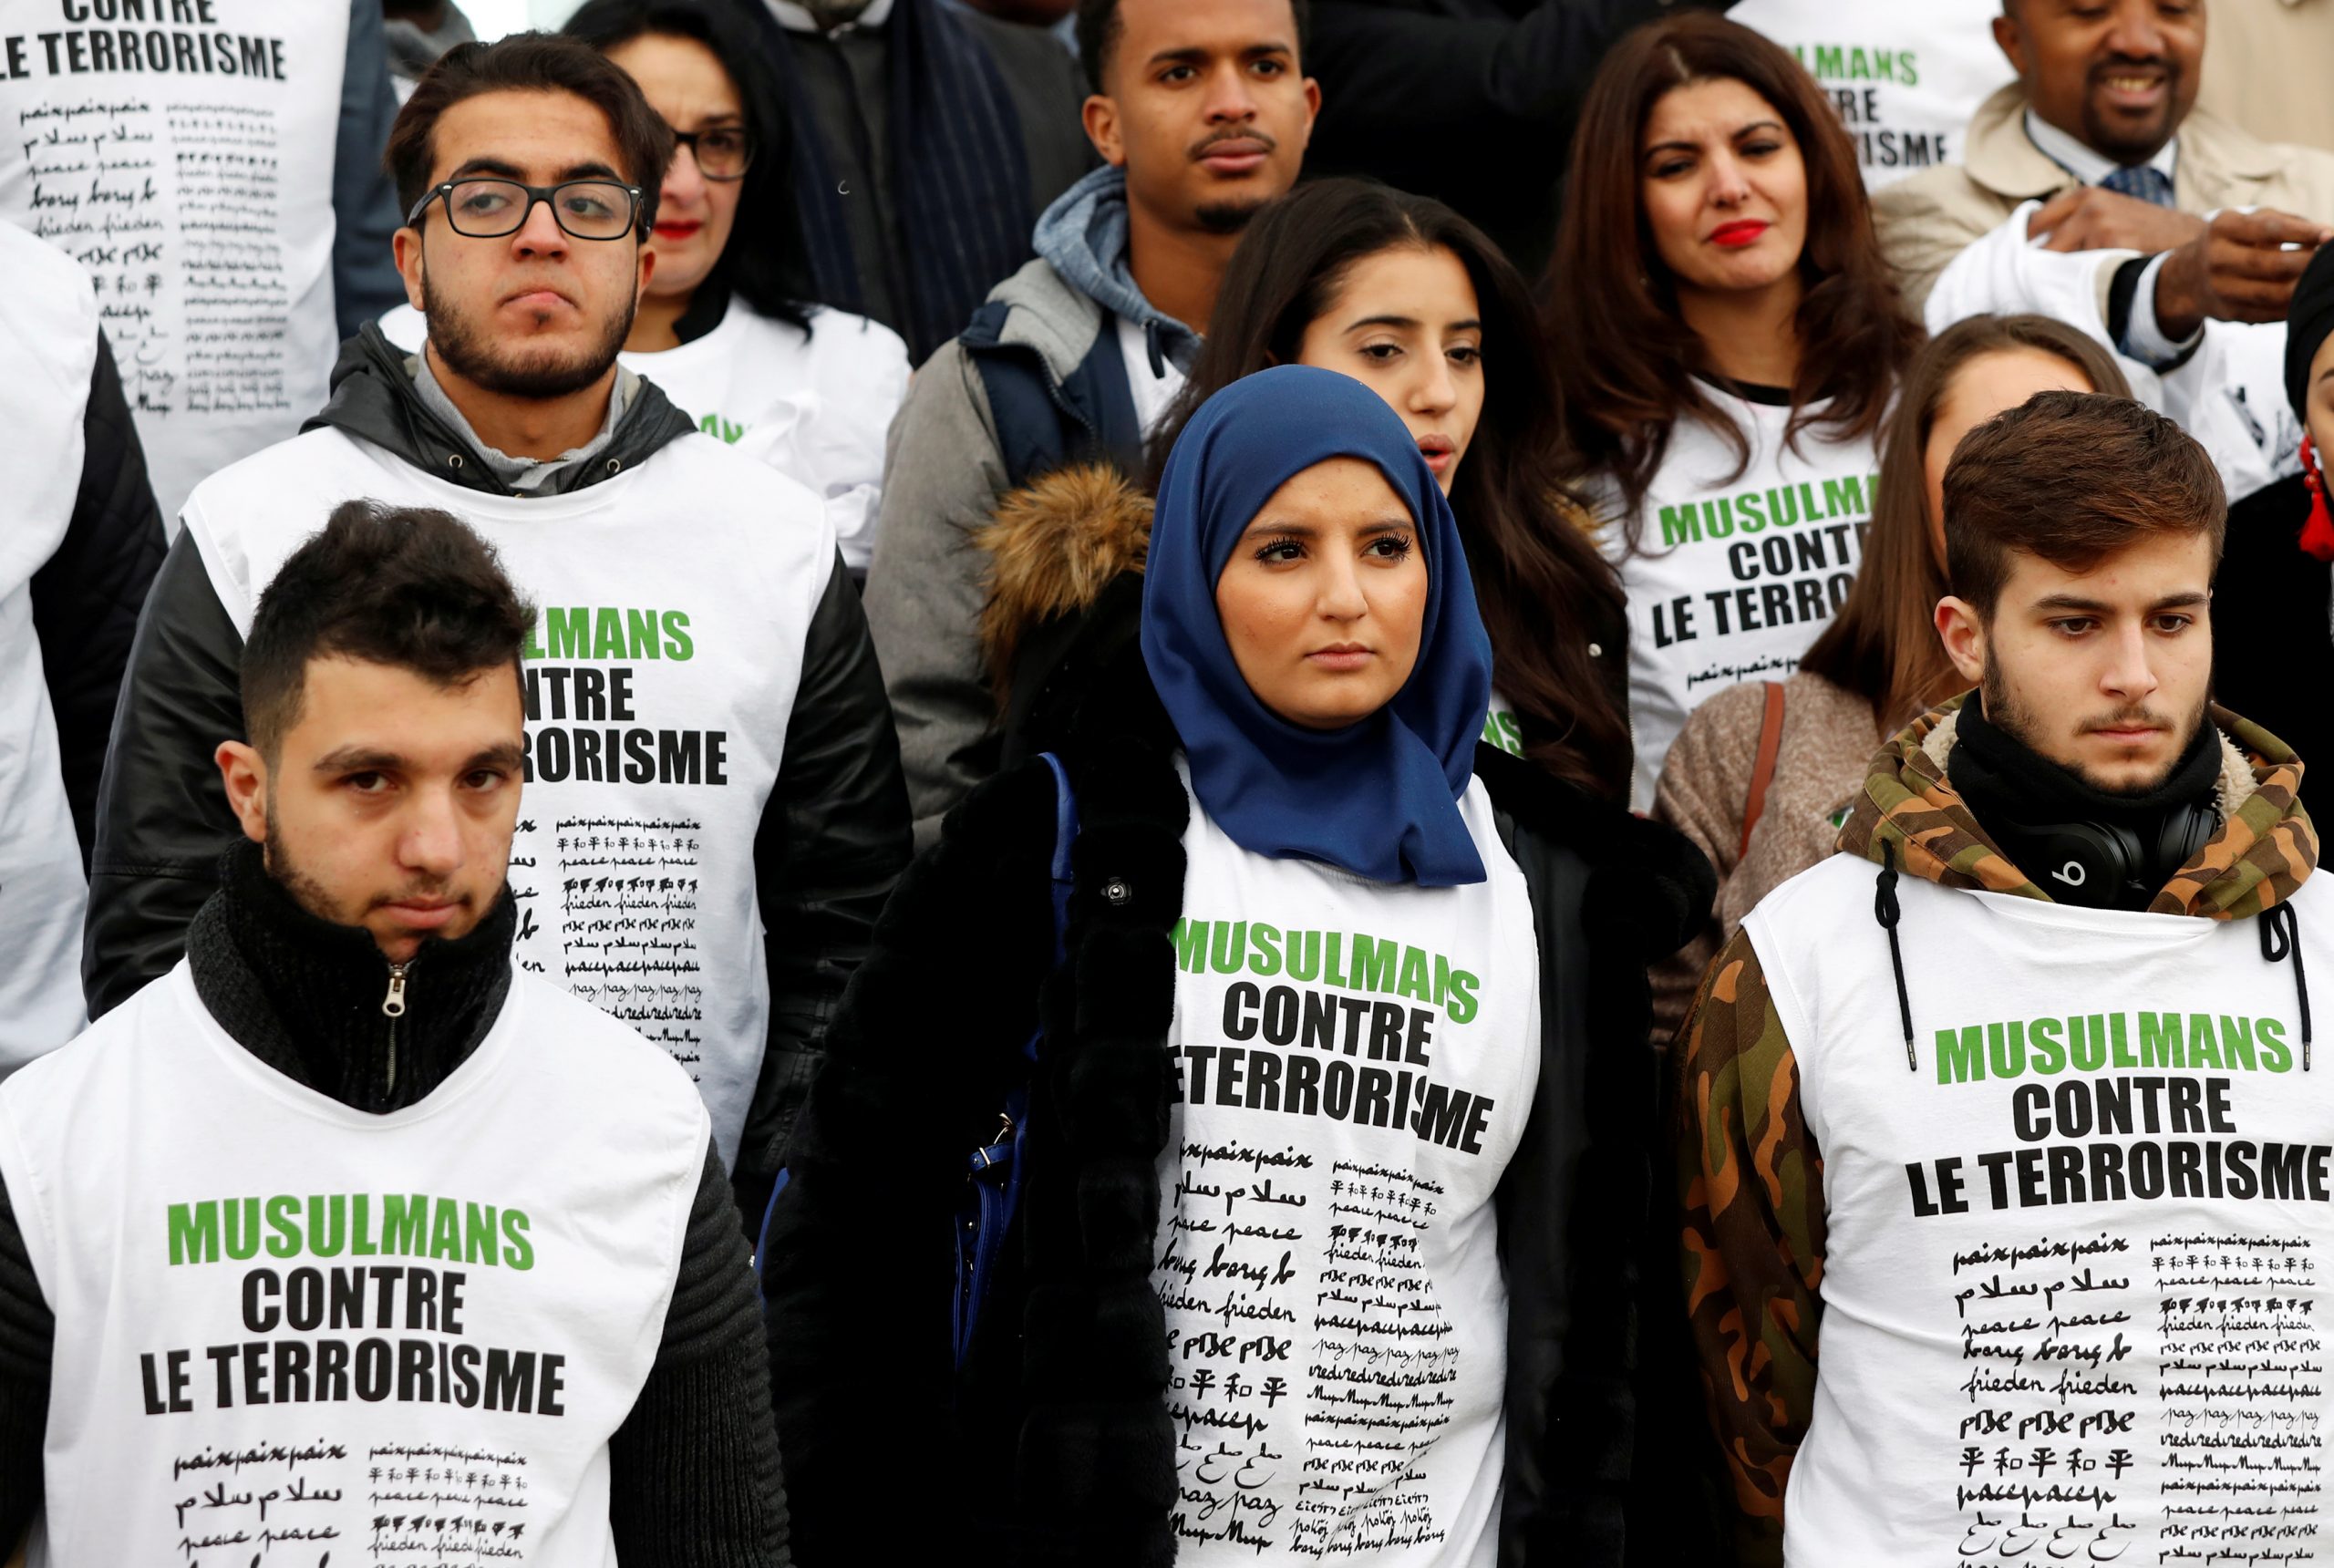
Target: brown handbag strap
x,y
1763,772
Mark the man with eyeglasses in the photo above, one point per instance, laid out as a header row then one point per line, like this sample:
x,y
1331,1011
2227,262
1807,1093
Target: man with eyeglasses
x,y
726,325
714,805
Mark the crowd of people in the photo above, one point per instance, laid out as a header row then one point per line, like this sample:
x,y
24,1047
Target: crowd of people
x,y
1425,783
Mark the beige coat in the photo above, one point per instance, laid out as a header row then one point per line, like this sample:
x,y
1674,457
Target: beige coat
x,y
1829,739
1926,221
2250,76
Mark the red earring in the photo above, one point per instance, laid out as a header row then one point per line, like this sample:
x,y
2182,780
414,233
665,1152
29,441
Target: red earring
x,y
2317,532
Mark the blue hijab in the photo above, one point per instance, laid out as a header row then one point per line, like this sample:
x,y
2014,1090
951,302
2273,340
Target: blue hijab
x,y
1380,797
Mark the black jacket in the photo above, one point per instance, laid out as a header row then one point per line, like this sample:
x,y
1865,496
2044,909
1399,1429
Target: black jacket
x,y
1054,1446
86,596
832,838
693,1470
1402,79
2273,654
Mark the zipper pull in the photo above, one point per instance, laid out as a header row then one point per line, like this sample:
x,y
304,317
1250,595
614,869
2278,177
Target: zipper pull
x,y
393,1005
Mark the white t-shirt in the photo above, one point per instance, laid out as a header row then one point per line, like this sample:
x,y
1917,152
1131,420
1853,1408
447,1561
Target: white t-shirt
x,y
1354,1062
672,602
187,164
1906,77
814,405
1151,392
49,348
1502,727
1734,575
289,1330
2064,1320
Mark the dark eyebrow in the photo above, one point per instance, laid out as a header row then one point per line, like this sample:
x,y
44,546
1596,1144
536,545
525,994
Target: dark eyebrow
x,y
2095,607
1400,322
493,165
359,760
1735,135
1196,55
1306,531
501,169
510,754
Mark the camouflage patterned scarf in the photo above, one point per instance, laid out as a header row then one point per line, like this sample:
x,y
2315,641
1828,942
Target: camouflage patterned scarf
x,y
2266,846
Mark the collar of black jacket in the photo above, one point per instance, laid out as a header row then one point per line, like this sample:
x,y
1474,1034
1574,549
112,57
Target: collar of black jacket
x,y
304,995
373,398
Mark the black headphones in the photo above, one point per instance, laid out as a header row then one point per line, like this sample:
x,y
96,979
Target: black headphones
x,y
2105,865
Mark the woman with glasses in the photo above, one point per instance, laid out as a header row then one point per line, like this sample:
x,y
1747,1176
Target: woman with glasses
x,y
723,328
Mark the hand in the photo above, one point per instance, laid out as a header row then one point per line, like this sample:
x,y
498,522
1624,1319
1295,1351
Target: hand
x,y
2088,218
2238,269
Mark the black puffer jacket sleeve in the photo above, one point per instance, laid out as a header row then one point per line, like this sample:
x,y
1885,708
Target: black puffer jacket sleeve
x,y
855,1278
833,839
694,1474
86,598
162,814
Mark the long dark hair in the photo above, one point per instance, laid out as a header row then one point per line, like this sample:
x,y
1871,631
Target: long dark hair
x,y
1883,643
1540,582
764,263
1624,356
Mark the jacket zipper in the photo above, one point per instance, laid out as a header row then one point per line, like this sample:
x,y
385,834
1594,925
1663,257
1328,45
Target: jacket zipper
x,y
393,1008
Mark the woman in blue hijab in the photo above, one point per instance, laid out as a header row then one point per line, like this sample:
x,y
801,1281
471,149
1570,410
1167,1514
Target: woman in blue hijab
x,y
1371,785
1324,1177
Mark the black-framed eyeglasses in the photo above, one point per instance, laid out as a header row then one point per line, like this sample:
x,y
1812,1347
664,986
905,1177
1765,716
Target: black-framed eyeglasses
x,y
721,153
489,208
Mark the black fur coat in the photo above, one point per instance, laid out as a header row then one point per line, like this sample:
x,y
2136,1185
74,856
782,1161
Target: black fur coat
x,y
1053,1445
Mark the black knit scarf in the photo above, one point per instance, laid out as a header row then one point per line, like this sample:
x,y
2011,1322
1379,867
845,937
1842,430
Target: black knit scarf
x,y
1993,768
304,994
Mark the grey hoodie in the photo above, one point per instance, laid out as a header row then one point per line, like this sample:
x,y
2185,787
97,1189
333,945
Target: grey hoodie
x,y
944,474
1083,236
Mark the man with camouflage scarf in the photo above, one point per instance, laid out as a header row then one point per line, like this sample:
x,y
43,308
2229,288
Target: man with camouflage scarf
x,y
2008,1109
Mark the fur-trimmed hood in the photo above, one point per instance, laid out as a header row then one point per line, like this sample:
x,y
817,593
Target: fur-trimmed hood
x,y
2266,849
1054,546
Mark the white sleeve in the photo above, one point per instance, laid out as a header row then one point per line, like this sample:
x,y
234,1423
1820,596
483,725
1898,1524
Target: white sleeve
x,y
2144,338
866,384
2006,273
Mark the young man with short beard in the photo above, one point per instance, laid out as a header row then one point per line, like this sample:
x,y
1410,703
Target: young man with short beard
x,y
1202,112
349,1238
714,805
2006,1171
